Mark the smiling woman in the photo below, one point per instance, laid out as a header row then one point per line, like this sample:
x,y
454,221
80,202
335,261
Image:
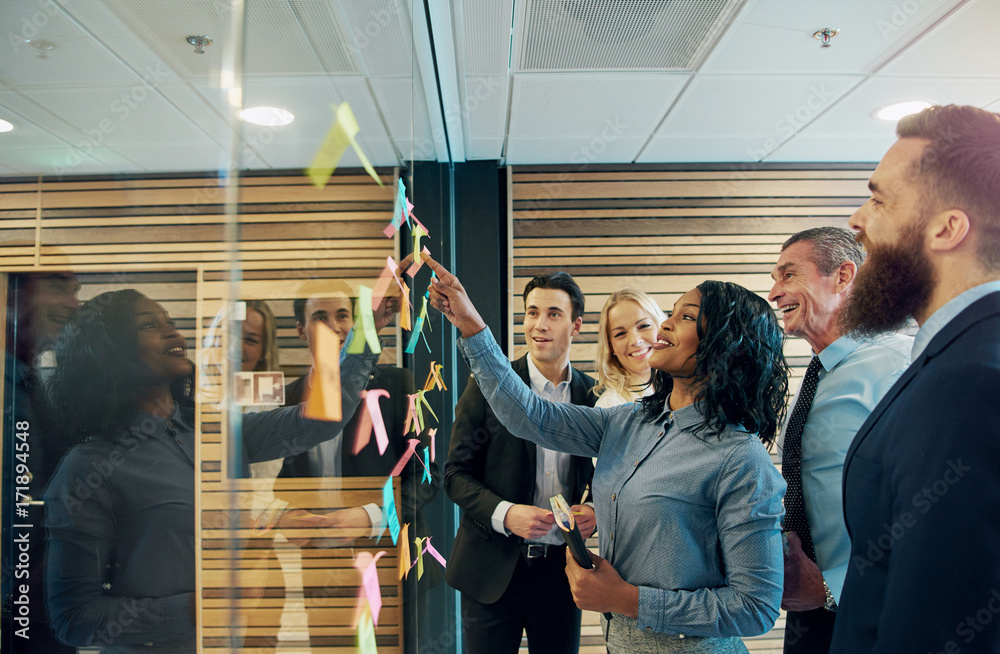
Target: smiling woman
x,y
627,332
687,499
121,507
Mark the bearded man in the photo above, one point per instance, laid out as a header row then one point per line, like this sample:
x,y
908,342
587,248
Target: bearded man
x,y
922,477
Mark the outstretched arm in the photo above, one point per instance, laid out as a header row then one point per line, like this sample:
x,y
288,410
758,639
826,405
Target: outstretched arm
x,y
562,427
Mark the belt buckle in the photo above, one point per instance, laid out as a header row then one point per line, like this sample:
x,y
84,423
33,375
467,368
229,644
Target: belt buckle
x,y
537,551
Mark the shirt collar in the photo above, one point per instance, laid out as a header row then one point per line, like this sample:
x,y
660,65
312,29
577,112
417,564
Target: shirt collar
x,y
946,313
538,380
685,417
837,351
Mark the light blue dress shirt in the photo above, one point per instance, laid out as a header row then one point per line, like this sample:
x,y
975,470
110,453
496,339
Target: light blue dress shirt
x,y
692,520
853,378
947,313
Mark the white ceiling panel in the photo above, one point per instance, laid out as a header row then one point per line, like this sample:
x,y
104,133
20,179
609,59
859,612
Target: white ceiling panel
x,y
775,36
181,157
545,104
380,35
676,147
482,36
484,149
852,120
840,147
963,45
766,109
74,58
855,114
485,115
405,111
123,114
68,161
583,149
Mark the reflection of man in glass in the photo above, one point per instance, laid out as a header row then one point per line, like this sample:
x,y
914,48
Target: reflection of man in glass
x,y
337,312
39,305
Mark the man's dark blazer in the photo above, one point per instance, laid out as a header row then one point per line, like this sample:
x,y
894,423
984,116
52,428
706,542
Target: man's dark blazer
x,y
368,462
486,464
922,501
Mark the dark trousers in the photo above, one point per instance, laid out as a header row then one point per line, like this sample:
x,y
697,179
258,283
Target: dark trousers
x,y
537,601
809,632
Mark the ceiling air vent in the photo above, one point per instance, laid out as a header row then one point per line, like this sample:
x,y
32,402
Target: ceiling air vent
x,y
620,34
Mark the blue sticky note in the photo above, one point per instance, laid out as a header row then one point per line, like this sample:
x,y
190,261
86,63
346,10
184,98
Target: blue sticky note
x,y
389,502
427,465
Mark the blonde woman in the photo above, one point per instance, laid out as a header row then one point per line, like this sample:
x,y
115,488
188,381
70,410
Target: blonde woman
x,y
628,325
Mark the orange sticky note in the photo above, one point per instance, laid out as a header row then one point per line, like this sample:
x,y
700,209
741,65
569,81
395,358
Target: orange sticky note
x,y
404,551
323,392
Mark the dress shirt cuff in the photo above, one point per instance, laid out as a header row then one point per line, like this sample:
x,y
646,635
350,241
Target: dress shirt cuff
x,y
375,516
499,514
476,345
834,579
652,608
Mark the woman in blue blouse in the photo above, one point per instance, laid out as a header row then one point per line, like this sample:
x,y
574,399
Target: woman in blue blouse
x,y
121,508
688,502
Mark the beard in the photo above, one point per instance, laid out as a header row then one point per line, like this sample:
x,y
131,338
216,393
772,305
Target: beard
x,y
894,284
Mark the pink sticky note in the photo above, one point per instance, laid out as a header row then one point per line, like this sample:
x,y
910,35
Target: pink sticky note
x,y
411,448
412,416
365,562
432,433
433,552
371,420
382,285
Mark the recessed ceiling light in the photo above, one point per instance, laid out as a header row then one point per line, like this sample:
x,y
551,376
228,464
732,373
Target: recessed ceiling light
x,y
5,126
267,116
900,109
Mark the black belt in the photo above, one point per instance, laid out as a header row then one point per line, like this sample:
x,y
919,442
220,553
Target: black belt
x,y
541,550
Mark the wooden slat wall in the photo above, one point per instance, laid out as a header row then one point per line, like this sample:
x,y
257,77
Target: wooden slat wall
x,y
663,230
167,236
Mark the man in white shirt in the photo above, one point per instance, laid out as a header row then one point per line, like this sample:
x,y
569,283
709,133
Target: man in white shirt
x,y
508,559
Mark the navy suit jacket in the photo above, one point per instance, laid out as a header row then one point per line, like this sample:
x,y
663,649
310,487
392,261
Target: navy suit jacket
x,y
922,502
487,464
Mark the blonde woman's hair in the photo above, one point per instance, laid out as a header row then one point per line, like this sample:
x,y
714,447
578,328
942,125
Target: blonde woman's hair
x,y
610,372
270,359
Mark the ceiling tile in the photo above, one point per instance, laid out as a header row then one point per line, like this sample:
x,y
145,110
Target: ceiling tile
x,y
963,45
758,111
775,36
547,104
579,150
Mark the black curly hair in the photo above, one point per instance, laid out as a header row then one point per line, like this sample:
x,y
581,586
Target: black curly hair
x,y
739,360
96,388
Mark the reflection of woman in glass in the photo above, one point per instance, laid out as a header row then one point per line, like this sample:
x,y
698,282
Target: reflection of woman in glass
x,y
688,502
260,338
627,332
121,517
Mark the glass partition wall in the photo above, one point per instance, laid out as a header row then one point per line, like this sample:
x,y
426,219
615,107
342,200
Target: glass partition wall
x,y
178,269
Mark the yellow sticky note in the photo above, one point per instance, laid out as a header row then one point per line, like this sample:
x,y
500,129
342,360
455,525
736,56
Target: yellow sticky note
x,y
341,135
323,393
404,551
366,634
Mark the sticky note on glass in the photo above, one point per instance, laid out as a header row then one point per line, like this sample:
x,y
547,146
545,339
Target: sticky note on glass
x,y
371,420
404,551
410,449
366,634
389,503
400,210
341,135
364,320
323,393
370,588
